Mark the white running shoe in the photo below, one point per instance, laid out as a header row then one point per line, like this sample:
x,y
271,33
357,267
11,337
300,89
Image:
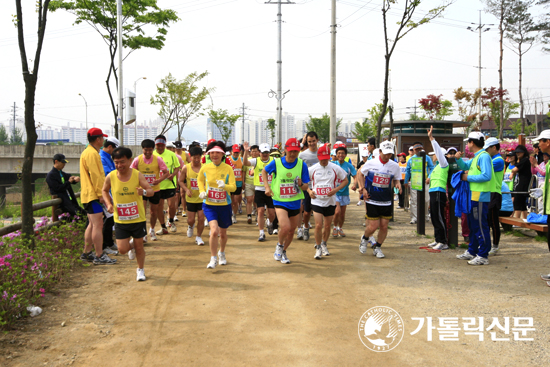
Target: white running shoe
x,y
234,219
324,249
184,214
413,221
110,251
145,239
176,218
465,256
300,234
372,241
359,202
205,222
152,234
377,251
478,260
441,246
213,262
132,252
173,228
162,231
363,245
275,231
284,259
278,252
221,256
140,275
433,244
318,252
494,251
189,231
199,241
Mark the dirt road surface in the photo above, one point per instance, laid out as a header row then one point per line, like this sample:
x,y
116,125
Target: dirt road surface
x,y
257,311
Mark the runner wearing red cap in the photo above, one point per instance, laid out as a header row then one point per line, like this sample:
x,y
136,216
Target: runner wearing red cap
x,y
236,196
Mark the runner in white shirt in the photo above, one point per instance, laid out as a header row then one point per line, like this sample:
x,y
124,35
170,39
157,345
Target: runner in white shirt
x,y
376,180
326,180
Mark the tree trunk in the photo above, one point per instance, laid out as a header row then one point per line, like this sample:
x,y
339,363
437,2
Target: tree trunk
x,y
520,94
501,31
384,101
391,123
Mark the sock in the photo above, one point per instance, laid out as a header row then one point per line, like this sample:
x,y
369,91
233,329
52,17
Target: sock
x,y
171,220
163,225
213,257
249,215
378,244
262,232
364,238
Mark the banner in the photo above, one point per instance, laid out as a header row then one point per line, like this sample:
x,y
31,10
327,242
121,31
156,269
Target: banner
x,y
416,174
363,148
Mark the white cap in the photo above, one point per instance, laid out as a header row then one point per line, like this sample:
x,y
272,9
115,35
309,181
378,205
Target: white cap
x,y
264,147
545,134
114,140
387,147
490,142
364,153
170,145
431,153
451,148
476,135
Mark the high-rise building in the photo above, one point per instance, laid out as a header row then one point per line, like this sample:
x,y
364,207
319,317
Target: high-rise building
x,y
212,132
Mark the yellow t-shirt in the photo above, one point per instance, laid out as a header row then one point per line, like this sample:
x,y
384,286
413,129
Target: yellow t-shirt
x,y
92,175
127,203
191,180
151,171
208,176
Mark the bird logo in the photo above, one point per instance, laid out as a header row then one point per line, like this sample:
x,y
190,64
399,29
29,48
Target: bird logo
x,y
381,329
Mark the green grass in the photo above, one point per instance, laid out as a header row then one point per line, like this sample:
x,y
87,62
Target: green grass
x,y
518,234
452,246
464,245
541,239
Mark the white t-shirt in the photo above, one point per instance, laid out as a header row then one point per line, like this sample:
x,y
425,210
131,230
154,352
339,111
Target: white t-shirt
x,y
378,180
252,162
323,180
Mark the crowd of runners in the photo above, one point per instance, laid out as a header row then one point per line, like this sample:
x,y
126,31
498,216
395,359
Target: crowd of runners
x,y
278,189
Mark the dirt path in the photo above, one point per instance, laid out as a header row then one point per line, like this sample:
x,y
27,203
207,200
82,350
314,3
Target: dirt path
x,y
256,311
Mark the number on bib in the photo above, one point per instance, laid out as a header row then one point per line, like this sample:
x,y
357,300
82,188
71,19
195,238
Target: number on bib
x,y
194,184
381,180
322,191
216,195
287,191
150,178
269,178
127,211
238,172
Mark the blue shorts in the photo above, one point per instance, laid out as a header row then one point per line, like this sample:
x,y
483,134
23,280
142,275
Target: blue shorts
x,y
93,207
220,213
343,200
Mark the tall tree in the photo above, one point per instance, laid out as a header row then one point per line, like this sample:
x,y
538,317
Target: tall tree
x,y
139,16
180,101
271,126
544,26
436,107
30,77
404,26
365,129
321,125
495,111
224,122
4,137
17,137
520,31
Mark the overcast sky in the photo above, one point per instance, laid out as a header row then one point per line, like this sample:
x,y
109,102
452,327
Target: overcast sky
x,y
236,41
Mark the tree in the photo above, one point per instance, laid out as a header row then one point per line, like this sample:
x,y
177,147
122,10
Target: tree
x,y
138,16
4,137
30,77
321,125
436,107
364,130
544,27
271,126
414,117
17,137
467,104
518,127
180,101
499,114
519,31
404,26
224,122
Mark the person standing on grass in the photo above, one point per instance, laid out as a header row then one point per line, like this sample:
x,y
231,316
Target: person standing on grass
x,y
492,146
153,168
108,221
216,181
327,179
309,156
342,197
128,187
376,180
249,187
188,183
236,197
290,179
92,178
167,186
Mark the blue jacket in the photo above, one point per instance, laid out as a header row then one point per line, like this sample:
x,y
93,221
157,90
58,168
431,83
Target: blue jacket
x,y
461,195
107,161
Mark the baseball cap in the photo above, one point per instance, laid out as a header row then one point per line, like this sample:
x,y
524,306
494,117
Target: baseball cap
x,y
476,135
451,148
60,157
114,141
94,131
236,148
545,134
411,148
387,147
210,141
490,142
178,144
364,153
264,147
170,145
292,144
323,152
402,154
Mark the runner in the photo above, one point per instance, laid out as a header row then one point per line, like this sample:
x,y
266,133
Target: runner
x,y
190,190
216,180
236,197
376,180
342,197
260,198
167,186
128,187
92,178
249,184
309,156
327,179
151,167
172,147
290,178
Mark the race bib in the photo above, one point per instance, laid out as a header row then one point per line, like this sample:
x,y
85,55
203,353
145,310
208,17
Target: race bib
x,y
194,184
238,173
150,178
127,211
506,177
287,191
381,180
322,191
269,178
217,195
251,173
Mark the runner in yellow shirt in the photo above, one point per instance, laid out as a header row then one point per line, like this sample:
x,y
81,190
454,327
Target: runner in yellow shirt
x,y
188,183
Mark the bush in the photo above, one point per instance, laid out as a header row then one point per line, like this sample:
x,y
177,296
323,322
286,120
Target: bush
x,y
26,275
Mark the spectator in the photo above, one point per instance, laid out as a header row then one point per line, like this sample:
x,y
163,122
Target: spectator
x,y
523,171
60,183
109,145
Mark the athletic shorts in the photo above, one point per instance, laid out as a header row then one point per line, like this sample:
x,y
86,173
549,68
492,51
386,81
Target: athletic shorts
x,y
376,212
249,190
93,207
238,191
343,200
327,211
220,213
167,194
291,212
307,202
127,230
261,199
155,199
194,207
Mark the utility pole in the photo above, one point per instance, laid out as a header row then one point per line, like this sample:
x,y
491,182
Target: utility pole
x,y
243,114
120,83
279,95
333,131
413,107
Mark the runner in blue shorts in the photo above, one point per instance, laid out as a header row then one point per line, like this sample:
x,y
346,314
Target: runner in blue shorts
x,y
342,197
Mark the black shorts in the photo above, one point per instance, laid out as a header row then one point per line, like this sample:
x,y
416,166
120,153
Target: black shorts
x,y
127,230
238,191
496,201
167,194
261,199
307,202
291,212
194,207
93,207
327,211
376,212
520,202
155,199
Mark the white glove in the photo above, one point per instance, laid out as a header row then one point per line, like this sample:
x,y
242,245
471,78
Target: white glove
x,y
202,195
536,193
220,183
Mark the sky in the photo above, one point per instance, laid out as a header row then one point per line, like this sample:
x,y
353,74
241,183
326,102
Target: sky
x,y
236,42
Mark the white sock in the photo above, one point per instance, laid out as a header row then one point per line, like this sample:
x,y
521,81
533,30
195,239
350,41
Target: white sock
x,y
213,257
262,232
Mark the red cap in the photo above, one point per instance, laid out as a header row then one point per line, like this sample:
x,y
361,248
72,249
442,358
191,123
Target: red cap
x,y
339,144
94,131
210,141
323,152
276,146
236,148
403,154
292,144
